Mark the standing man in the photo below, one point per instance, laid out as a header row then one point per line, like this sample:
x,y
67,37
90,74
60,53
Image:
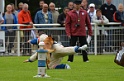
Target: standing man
x,y
55,13
41,3
70,5
20,5
9,18
84,5
24,17
75,28
108,9
62,16
43,17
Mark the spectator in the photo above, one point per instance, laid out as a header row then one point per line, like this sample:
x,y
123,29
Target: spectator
x,y
13,10
108,10
1,18
61,20
41,3
119,14
62,16
84,4
75,28
20,6
100,20
9,18
71,5
16,13
55,13
43,16
91,11
24,17
119,33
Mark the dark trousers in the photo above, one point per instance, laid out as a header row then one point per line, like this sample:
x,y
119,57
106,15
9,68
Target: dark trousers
x,y
82,41
100,43
11,36
27,46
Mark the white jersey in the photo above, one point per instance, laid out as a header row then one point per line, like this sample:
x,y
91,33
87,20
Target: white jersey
x,y
119,55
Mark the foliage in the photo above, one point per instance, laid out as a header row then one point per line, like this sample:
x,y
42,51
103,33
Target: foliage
x,y
100,68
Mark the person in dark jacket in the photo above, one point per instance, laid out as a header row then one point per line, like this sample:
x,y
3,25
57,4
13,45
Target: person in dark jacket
x,y
61,20
62,16
119,33
108,9
75,28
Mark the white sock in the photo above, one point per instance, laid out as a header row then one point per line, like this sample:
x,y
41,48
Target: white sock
x,y
84,47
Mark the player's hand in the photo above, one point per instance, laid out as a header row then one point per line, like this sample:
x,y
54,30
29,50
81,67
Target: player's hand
x,y
69,37
50,50
31,23
28,41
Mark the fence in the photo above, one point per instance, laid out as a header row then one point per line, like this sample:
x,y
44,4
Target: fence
x,y
101,43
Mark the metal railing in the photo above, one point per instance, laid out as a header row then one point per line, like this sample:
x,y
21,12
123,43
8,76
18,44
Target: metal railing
x,y
95,29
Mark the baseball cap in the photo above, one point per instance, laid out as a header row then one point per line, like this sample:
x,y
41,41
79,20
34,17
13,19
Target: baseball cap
x,y
77,2
92,5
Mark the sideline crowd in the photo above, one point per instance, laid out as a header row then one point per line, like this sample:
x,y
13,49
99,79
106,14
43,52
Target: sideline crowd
x,y
47,14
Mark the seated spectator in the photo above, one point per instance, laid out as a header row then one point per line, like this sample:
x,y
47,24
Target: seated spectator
x,y
100,20
9,18
55,13
119,33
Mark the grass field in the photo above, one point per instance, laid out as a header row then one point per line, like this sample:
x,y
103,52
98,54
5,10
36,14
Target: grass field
x,y
100,68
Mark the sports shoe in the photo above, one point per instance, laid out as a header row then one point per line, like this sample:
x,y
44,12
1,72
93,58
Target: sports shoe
x,y
67,66
87,61
84,47
39,76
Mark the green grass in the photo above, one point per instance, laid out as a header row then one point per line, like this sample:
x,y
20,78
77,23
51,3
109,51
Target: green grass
x,y
100,68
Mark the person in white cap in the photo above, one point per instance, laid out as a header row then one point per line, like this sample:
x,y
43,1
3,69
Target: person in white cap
x,y
91,11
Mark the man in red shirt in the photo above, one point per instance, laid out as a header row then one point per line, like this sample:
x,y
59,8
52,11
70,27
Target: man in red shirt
x,y
75,28
24,17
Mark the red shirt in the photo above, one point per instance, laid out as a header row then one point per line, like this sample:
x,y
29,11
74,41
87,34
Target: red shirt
x,y
24,17
82,19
